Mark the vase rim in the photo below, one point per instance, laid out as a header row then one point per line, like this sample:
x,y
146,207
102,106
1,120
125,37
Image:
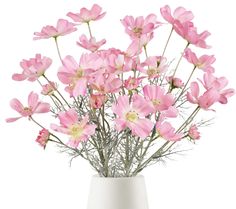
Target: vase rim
x,y
96,176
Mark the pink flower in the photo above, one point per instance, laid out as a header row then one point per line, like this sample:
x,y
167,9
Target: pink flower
x,y
133,83
189,33
43,137
204,101
116,62
180,14
171,112
33,68
133,115
160,101
156,66
146,38
136,46
49,88
77,75
139,26
90,44
34,106
77,130
218,84
134,49
204,62
86,15
105,83
63,28
193,132
97,100
167,132
175,82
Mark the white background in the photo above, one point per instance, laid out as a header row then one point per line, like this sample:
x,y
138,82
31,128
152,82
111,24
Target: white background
x,y
31,178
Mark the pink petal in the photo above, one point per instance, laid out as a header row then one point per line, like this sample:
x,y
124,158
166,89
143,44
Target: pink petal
x,y
33,100
89,130
18,77
191,56
148,28
10,120
191,99
59,129
194,87
141,128
182,15
70,63
74,16
16,105
166,14
42,108
68,118
141,106
122,106
74,143
80,87
208,98
96,9
120,124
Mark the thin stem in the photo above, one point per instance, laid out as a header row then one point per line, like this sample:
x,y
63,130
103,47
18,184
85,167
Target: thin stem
x,y
49,95
163,53
188,120
36,122
145,163
177,66
181,93
145,50
127,147
105,147
58,50
58,101
57,91
90,31
76,102
167,42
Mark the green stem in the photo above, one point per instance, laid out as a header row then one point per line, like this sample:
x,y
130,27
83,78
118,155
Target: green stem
x,y
167,42
188,120
58,50
177,66
163,53
145,50
57,91
31,118
59,101
49,96
186,84
90,31
145,163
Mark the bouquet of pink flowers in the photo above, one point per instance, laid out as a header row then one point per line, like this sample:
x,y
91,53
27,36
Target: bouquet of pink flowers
x,y
122,110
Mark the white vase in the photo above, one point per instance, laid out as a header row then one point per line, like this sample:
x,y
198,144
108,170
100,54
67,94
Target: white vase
x,y
117,193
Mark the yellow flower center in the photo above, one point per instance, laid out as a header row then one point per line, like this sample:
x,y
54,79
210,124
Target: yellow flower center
x,y
200,65
152,71
137,30
132,116
40,72
156,102
27,110
79,73
76,131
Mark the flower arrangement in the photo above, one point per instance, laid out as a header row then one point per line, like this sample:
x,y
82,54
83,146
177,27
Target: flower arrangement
x,y
122,110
